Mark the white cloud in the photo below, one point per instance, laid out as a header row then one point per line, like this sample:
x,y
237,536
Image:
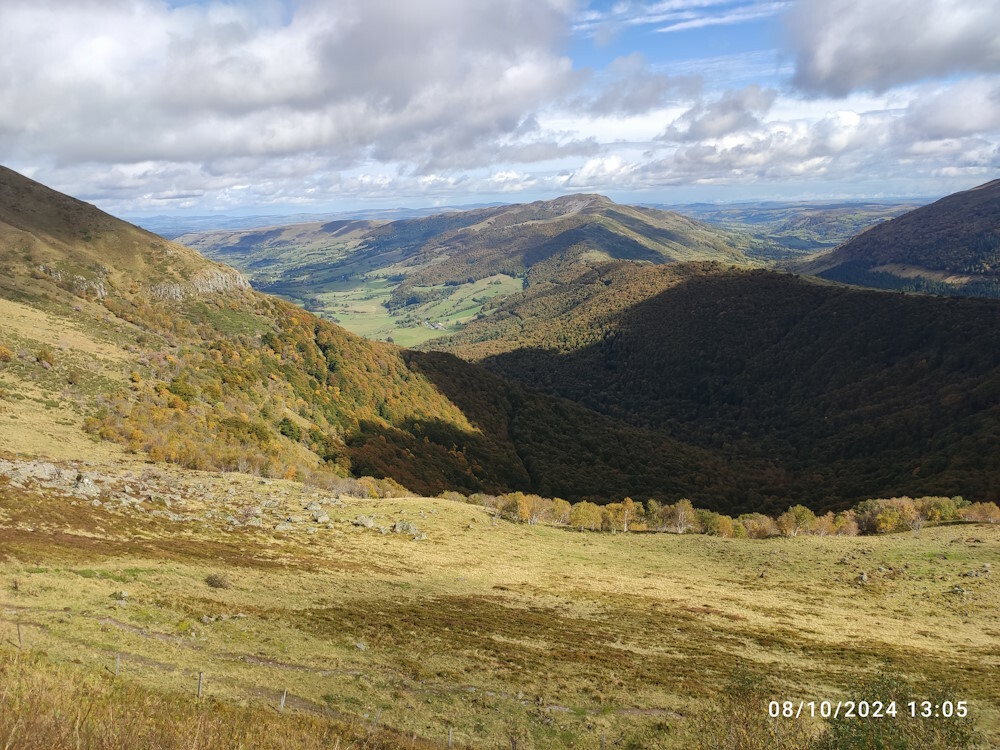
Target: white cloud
x,y
600,173
845,45
144,106
734,111
729,18
116,82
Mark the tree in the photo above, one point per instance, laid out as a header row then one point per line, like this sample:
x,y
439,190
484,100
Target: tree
x,y
824,525
680,515
628,512
560,510
796,520
585,515
758,526
653,513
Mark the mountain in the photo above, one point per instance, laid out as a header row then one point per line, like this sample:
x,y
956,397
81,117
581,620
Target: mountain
x,y
741,389
176,226
949,247
145,344
46,233
836,392
778,231
416,279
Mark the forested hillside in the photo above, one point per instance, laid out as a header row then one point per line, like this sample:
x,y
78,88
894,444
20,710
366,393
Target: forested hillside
x,y
841,393
743,390
950,247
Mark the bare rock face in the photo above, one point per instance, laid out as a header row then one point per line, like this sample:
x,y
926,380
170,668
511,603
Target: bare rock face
x,y
208,281
217,280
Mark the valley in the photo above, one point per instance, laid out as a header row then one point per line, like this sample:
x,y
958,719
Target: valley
x,y
197,478
517,375
417,279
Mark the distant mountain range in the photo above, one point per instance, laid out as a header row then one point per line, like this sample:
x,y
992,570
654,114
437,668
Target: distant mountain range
x,y
782,231
949,247
173,226
420,278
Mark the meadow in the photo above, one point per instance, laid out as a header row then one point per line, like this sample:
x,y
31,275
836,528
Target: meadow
x,y
427,615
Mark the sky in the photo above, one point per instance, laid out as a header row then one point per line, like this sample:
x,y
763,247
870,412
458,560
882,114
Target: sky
x,y
150,107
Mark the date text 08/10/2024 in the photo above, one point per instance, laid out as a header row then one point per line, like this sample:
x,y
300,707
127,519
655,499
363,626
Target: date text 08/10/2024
x,y
866,709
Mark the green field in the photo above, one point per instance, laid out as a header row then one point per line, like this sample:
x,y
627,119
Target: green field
x,y
360,307
493,629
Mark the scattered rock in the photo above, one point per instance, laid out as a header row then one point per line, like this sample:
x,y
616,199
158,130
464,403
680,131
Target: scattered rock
x,y
320,516
314,507
284,527
863,578
367,522
360,646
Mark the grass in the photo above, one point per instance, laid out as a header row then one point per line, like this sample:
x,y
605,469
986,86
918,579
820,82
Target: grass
x,y
495,630
359,306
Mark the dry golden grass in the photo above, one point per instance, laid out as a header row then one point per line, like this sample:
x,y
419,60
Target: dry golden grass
x,y
47,707
497,630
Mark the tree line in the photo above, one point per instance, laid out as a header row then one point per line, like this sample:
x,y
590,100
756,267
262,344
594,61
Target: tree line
x,y
873,516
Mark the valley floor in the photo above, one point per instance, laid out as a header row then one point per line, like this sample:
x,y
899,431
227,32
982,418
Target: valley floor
x,y
428,615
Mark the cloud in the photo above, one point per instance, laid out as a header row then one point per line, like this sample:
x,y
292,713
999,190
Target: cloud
x,y
601,172
846,45
629,87
961,109
677,14
118,83
733,111
738,15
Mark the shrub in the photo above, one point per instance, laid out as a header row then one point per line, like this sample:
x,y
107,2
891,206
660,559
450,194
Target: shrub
x,y
758,526
983,512
6,355
217,581
903,730
289,429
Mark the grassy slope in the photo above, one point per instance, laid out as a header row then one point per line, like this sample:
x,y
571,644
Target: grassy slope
x,y
556,636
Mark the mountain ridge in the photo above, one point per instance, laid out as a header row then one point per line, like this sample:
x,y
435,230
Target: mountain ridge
x,y
951,246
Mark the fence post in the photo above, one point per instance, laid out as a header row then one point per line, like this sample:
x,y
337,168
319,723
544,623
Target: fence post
x,y
449,736
377,714
283,695
20,643
201,675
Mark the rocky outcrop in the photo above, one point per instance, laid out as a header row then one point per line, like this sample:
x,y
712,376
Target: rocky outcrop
x,y
208,281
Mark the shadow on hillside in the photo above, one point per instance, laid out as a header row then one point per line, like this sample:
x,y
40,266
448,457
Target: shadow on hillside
x,y
821,394
576,453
